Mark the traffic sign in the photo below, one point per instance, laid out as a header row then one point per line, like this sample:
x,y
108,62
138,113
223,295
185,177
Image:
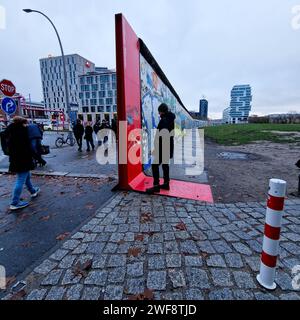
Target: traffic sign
x,y
7,88
9,106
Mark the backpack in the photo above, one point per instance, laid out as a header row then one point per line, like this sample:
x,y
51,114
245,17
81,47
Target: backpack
x,y
4,142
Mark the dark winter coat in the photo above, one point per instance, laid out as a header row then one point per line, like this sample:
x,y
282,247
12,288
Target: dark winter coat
x,y
88,133
35,132
78,130
20,154
167,122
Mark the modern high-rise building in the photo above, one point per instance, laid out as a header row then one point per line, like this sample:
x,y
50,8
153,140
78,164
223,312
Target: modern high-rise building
x,y
240,105
203,110
98,95
53,80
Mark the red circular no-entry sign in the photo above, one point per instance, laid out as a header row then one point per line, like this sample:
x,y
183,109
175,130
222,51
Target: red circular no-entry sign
x,y
7,88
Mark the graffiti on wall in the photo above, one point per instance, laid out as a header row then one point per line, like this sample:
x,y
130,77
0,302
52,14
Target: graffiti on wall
x,y
153,93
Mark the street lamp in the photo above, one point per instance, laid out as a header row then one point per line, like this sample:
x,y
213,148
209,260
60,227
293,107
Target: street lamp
x,y
63,59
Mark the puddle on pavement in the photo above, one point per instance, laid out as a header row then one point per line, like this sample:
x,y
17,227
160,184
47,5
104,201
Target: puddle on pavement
x,y
233,156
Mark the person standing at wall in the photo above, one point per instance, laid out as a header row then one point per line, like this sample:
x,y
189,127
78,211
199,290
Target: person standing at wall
x,y
20,161
163,153
78,130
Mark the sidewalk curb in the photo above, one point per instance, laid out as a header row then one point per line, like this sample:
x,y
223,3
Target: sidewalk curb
x,y
66,174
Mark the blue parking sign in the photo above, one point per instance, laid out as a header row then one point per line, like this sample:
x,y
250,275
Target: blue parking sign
x,y
9,106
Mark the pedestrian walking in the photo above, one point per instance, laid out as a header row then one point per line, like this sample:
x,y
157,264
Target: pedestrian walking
x,y
36,136
161,155
20,161
89,137
78,130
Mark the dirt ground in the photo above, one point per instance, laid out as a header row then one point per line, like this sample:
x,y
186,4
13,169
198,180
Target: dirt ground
x,y
247,180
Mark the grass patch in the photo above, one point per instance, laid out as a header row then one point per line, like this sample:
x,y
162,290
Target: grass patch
x,y
248,133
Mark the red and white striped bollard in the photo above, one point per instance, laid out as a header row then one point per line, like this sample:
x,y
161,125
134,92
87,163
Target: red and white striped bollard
x,y
277,193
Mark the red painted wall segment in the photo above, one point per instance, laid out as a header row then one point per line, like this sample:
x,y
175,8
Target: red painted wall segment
x,y
129,96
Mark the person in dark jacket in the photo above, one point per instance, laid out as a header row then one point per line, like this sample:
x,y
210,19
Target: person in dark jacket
x,y
162,156
89,137
78,130
21,161
36,136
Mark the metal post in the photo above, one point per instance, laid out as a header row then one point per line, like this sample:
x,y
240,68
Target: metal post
x,y
63,60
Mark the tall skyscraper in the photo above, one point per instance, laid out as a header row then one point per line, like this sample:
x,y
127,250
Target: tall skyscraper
x,y
203,110
240,105
53,80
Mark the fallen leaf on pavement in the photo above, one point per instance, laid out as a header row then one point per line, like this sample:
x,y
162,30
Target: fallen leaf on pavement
x,y
82,269
63,236
121,242
181,226
139,237
146,217
134,252
46,218
26,244
90,206
146,295
18,296
10,280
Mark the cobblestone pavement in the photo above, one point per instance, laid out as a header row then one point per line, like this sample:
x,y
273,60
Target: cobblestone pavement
x,y
178,249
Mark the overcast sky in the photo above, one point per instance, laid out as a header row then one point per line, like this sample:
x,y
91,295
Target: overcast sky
x,y
205,47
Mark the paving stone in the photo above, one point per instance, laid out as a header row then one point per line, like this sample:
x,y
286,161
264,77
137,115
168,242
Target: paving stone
x,y
171,247
284,281
177,278
254,263
182,235
230,237
189,247
78,236
216,261
198,235
103,237
155,248
156,262
90,237
241,248
56,293
117,261
67,262
291,247
244,280
194,295
45,267
80,249
135,286
59,254
289,296
110,248
264,296
173,261
172,296
255,246
37,294
221,294
157,280
98,229
135,270
192,261
97,278
70,278
205,246
124,248
99,262
243,295
212,235
116,237
242,235
116,275
221,246
95,248
169,236
221,277
91,293
113,293
71,244
234,260
74,293
52,278
197,278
